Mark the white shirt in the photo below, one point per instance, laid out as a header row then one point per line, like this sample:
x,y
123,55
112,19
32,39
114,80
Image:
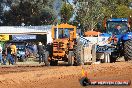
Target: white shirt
x,y
0,49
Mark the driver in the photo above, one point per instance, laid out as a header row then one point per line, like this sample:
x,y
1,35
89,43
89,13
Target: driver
x,y
117,30
65,35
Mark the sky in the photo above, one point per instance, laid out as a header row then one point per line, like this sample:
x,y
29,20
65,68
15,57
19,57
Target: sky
x,y
73,15
71,1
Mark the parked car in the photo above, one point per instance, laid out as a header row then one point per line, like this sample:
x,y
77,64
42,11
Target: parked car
x,y
21,52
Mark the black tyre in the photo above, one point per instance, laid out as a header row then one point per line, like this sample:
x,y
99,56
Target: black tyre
x,y
70,58
46,58
53,62
128,50
77,54
113,57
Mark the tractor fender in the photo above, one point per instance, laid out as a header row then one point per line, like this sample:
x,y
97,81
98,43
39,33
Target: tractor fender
x,y
127,36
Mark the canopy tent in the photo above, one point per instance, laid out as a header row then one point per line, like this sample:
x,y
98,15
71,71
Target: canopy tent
x,y
91,33
15,30
19,32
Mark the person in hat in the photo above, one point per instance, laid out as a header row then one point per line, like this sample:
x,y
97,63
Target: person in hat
x,y
41,51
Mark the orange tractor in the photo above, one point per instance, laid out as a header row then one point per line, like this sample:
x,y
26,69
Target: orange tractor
x,y
64,39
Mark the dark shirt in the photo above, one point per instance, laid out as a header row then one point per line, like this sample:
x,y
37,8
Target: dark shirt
x,y
41,48
49,48
8,50
117,31
3,52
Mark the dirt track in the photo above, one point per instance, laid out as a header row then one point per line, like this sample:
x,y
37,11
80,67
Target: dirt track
x,y
62,76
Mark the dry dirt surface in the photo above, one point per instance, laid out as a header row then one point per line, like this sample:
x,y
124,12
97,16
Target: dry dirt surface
x,y
63,76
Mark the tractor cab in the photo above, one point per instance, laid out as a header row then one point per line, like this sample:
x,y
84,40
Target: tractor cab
x,y
117,26
63,31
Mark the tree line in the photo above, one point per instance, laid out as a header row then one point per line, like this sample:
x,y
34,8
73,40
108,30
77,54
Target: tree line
x,y
91,13
33,12
88,14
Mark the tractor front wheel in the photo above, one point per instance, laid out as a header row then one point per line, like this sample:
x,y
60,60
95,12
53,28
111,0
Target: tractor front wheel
x,y
70,58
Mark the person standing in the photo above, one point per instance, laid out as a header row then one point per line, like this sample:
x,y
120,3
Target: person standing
x,y
1,59
41,51
50,49
34,50
14,52
9,56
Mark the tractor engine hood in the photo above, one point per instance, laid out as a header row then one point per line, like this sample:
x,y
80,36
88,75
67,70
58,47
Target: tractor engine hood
x,y
111,38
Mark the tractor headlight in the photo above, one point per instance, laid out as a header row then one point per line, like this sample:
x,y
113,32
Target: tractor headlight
x,y
115,40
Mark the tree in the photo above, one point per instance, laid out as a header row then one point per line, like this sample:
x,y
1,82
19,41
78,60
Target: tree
x,y
89,12
1,12
123,11
30,12
22,13
66,12
116,8
47,16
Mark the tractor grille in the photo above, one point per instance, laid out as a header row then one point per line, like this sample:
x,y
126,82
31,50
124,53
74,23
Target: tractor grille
x,y
55,44
58,52
58,44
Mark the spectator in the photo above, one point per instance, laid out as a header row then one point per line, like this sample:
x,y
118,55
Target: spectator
x,y
31,49
41,51
14,52
9,56
4,55
1,59
49,48
27,52
34,49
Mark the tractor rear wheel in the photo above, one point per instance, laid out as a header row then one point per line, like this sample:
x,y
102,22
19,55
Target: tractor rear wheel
x,y
128,50
77,53
70,58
